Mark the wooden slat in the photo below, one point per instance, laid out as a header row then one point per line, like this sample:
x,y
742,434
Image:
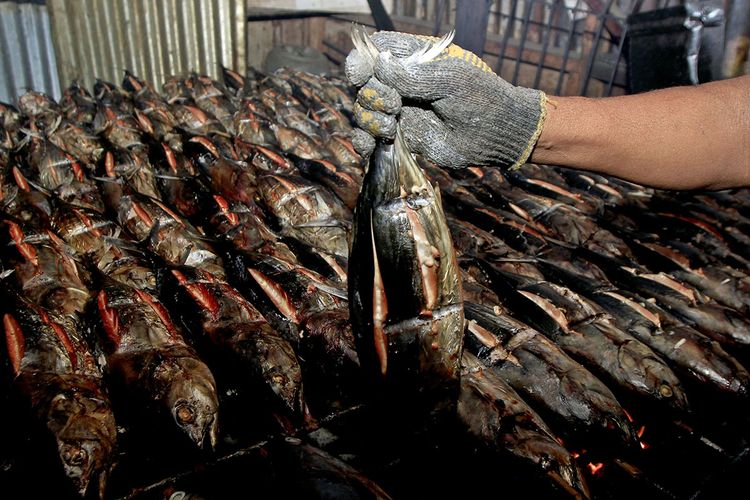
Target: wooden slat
x,y
260,39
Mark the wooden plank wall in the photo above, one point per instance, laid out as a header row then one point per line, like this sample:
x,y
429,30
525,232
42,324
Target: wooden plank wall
x,y
262,36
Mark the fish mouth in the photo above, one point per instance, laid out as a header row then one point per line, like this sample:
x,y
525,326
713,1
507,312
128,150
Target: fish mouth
x,y
198,421
85,464
570,481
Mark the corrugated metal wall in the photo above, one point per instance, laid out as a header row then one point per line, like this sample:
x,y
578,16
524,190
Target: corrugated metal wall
x,y
152,38
27,58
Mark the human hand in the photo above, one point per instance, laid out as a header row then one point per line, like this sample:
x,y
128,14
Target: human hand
x,y
452,109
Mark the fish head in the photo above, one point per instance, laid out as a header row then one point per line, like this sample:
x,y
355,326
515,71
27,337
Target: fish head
x,y
664,384
561,469
280,368
86,439
193,402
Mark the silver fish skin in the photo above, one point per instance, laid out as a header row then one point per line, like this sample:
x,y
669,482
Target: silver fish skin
x,y
495,414
542,373
404,282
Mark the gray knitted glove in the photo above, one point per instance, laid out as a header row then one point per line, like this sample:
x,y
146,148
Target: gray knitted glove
x,y
455,110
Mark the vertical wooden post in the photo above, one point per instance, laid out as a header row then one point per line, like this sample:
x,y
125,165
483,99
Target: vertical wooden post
x,y
471,24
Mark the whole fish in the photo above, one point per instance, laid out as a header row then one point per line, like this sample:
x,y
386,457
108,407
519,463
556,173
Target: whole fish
x,y
237,224
343,153
233,180
45,269
404,282
147,354
720,323
77,141
119,127
236,328
120,168
405,294
233,81
103,242
685,263
686,349
55,370
306,211
179,181
497,416
167,234
195,120
43,112
20,201
587,333
289,295
138,89
345,183
253,127
298,143
63,175
109,94
543,374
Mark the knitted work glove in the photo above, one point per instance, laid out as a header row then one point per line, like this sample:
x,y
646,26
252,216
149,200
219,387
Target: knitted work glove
x,y
453,110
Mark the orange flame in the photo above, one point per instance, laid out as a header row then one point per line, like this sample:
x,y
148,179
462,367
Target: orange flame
x,y
595,468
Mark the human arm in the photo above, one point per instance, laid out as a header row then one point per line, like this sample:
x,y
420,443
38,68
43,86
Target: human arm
x,y
454,114
676,138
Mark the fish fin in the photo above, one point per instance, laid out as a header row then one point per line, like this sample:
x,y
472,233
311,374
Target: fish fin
x,y
379,307
15,341
363,44
431,50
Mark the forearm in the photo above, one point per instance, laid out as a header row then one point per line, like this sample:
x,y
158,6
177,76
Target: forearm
x,y
679,138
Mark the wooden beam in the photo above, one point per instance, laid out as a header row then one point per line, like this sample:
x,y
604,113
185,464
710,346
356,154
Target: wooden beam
x,y
471,24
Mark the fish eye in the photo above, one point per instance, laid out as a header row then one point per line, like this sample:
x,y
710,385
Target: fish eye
x,y
184,414
73,455
665,390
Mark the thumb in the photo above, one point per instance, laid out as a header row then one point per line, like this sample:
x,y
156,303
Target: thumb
x,y
358,69
426,82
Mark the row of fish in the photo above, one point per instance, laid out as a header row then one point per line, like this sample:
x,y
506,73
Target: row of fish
x,y
126,212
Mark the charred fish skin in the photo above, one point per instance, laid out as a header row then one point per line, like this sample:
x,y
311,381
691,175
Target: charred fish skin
x,y
683,347
404,283
147,354
497,416
236,328
45,269
57,373
540,371
583,331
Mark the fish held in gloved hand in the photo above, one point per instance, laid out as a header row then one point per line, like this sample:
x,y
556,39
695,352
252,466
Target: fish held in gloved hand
x,y
404,284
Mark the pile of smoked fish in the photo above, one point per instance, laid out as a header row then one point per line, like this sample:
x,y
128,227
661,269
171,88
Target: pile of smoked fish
x,y
177,278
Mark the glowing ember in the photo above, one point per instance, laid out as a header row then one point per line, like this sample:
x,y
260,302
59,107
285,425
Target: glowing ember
x,y
595,468
641,431
575,455
630,418
644,446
